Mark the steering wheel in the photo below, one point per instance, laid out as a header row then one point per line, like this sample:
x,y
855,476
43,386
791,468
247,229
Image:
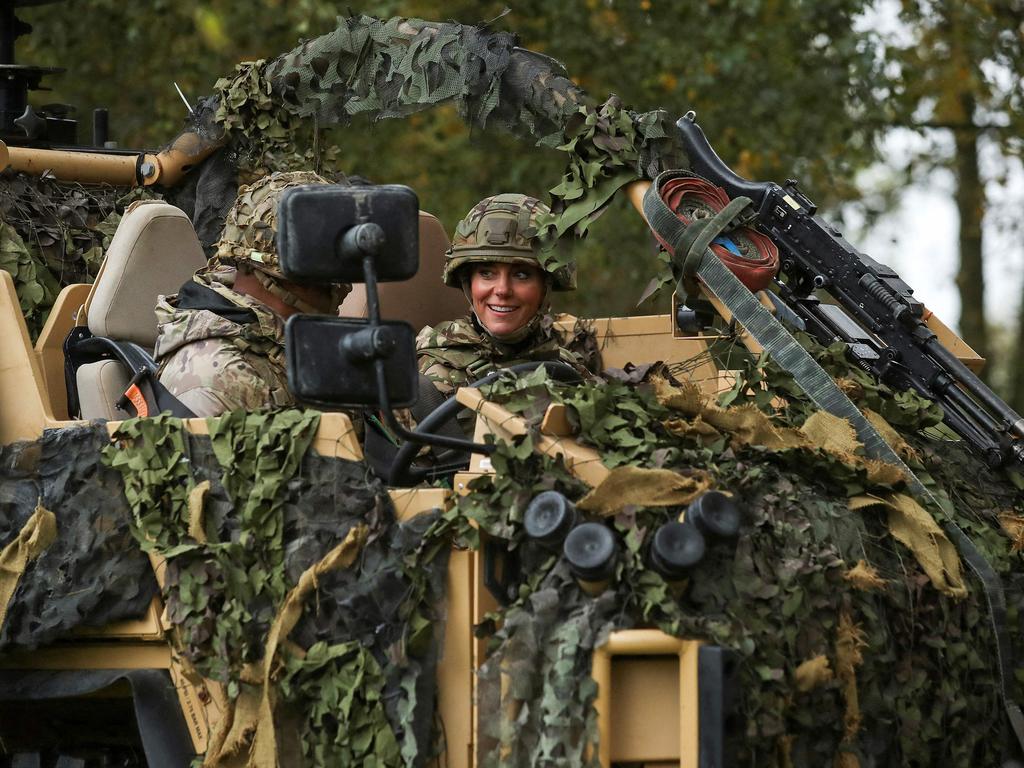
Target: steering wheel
x,y
404,475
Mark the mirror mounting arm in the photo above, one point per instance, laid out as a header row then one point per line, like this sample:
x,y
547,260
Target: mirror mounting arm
x,y
366,240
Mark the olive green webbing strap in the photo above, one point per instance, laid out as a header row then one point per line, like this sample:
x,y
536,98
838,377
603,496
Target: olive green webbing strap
x,y
823,392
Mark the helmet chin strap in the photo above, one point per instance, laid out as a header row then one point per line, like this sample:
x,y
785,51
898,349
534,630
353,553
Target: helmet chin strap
x,y
272,286
521,333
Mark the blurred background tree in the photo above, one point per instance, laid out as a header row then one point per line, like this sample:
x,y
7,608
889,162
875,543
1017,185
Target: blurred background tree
x,y
954,77
784,88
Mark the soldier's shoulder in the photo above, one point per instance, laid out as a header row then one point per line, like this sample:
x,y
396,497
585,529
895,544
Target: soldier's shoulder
x,y
447,333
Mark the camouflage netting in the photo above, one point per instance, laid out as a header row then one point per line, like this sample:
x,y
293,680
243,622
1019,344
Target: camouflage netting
x,y
92,573
289,580
388,68
860,639
54,234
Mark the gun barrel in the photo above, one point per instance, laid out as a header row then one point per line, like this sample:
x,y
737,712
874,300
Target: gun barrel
x,y
1013,421
71,165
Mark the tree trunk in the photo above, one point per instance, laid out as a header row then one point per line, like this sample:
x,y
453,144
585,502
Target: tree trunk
x,y
1016,364
970,204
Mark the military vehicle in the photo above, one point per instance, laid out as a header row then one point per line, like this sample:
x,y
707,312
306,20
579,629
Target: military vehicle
x,y
687,561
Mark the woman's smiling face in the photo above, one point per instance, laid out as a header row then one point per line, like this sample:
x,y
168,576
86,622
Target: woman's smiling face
x,y
506,296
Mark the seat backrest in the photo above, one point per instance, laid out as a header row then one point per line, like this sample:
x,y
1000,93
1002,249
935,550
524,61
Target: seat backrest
x,y
154,250
423,299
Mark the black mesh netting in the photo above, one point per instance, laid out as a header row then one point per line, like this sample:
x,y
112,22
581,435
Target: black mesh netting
x,y
94,573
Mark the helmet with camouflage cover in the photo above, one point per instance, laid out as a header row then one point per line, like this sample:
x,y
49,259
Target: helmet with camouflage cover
x,y
251,224
248,239
504,228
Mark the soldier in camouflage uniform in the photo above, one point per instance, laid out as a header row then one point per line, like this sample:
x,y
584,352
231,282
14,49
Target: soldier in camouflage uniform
x,y
498,239
221,338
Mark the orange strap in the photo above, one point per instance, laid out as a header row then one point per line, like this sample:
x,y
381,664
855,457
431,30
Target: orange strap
x,y
135,396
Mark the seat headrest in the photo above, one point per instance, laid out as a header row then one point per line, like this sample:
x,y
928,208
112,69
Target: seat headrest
x,y
423,299
154,250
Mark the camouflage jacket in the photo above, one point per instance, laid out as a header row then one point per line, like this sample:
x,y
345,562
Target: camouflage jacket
x,y
457,352
219,350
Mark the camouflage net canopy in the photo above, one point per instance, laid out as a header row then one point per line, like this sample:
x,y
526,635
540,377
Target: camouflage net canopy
x,y
859,638
54,234
395,67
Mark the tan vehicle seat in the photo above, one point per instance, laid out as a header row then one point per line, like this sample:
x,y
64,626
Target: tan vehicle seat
x,y
154,250
423,299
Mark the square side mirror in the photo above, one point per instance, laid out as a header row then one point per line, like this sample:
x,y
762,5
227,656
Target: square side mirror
x,y
312,222
324,366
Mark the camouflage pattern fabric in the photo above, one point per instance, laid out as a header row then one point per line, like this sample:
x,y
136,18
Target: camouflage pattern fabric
x,y
249,238
457,352
93,573
243,524
213,364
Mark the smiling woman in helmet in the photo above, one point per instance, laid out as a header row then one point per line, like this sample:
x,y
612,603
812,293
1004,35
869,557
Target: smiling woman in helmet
x,y
496,259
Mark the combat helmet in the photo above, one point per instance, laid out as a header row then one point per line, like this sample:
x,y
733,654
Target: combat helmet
x,y
248,238
505,228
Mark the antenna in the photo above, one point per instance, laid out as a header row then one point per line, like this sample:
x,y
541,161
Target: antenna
x,y
187,105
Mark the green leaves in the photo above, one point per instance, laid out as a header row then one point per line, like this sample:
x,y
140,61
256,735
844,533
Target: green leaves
x,y
36,286
340,688
608,146
218,593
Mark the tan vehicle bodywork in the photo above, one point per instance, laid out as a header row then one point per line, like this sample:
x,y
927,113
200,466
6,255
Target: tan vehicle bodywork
x,y
648,709
32,399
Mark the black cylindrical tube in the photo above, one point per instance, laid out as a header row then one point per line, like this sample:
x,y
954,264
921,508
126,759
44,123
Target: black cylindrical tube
x,y
100,127
548,519
592,551
975,386
675,549
716,515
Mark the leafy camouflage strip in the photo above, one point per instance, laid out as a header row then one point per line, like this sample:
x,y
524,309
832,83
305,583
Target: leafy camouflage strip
x,y
536,693
92,573
841,640
395,67
249,515
381,68
608,147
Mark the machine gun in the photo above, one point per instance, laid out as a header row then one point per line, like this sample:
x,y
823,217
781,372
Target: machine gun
x,y
45,140
841,294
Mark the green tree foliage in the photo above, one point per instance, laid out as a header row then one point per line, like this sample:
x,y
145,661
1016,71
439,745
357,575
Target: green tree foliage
x,y
782,88
955,71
